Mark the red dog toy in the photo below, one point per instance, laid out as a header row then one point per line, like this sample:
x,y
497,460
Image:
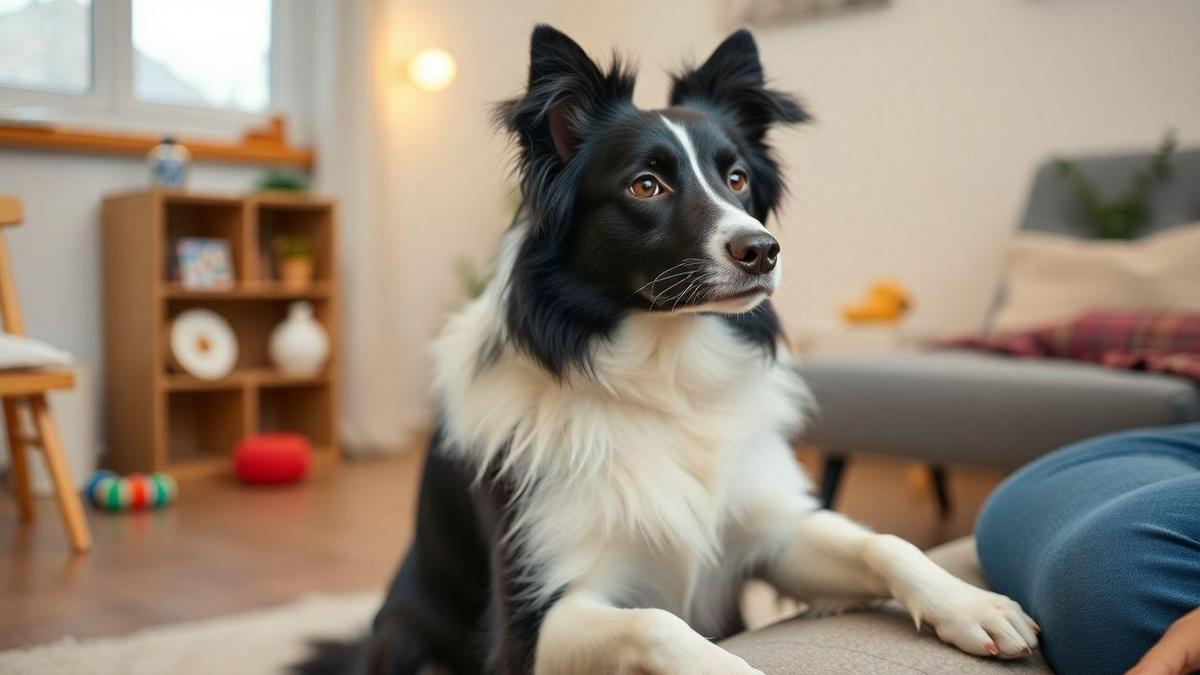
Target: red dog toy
x,y
268,459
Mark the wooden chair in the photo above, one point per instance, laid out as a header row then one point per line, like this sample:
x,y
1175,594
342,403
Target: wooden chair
x,y
29,387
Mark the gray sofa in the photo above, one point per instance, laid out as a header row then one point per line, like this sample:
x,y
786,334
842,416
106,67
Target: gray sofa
x,y
956,407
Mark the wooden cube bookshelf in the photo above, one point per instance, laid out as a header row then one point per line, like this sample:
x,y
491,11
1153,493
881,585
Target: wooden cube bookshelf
x,y
163,419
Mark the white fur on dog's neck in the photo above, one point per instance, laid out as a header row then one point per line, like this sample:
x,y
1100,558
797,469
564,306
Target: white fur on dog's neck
x,y
625,465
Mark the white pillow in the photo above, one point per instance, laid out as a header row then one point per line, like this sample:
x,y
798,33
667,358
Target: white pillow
x,y
23,352
1051,278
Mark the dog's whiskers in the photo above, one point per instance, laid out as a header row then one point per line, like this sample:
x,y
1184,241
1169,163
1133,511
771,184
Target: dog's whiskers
x,y
699,287
663,297
680,296
663,276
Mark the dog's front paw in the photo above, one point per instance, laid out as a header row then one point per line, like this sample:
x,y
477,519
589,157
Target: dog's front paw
x,y
974,620
670,647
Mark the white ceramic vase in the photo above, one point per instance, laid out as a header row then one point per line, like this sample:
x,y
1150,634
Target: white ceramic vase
x,y
299,345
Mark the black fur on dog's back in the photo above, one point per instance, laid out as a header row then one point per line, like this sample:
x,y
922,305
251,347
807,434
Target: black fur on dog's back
x,y
453,601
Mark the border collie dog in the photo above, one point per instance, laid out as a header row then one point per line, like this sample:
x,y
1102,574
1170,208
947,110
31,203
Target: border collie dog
x,y
612,458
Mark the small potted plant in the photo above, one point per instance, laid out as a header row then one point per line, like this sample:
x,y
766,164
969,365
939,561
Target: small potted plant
x,y
283,182
293,260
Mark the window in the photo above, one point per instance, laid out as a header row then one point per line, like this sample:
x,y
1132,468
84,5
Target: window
x,y
46,45
161,65
177,61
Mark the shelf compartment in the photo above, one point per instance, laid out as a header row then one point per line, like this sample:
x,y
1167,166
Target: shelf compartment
x,y
208,217
276,217
204,425
302,409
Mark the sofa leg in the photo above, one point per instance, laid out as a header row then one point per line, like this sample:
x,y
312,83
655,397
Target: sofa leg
x,y
941,491
831,476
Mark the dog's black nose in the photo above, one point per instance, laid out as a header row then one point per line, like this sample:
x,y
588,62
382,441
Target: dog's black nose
x,y
755,252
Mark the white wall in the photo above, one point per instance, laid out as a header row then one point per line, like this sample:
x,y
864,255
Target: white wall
x,y
56,252
932,115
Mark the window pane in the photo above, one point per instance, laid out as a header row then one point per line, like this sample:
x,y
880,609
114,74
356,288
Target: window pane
x,y
206,53
46,44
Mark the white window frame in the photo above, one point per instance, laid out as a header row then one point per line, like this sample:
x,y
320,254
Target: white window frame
x,y
110,103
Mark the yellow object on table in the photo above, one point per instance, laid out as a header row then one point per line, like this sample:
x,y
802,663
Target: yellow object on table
x,y
886,302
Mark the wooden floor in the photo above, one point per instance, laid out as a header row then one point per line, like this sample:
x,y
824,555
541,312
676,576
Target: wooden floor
x,y
224,548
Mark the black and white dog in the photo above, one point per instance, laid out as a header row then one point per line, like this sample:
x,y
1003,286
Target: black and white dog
x,y
613,458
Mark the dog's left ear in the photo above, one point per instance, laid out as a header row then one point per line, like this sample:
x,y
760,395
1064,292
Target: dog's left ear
x,y
732,80
731,84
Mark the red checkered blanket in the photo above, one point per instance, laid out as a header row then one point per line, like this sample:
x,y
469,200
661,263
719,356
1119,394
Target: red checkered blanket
x,y
1159,341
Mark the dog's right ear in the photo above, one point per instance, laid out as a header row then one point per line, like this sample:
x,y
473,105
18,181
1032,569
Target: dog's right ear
x,y
566,91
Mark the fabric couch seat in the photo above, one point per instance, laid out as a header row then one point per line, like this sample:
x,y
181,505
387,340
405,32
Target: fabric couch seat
x,y
975,408
877,641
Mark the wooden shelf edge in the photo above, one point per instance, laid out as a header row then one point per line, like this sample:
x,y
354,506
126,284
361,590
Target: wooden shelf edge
x,y
202,467
259,377
248,291
247,151
283,199
263,199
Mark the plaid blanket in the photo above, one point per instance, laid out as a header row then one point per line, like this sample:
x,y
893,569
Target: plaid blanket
x,y
1158,341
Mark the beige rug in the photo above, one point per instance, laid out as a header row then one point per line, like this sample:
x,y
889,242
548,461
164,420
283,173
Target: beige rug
x,y
254,643
264,641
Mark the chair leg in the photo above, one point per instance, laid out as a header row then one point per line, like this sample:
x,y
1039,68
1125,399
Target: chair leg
x,y
831,476
20,460
941,491
69,504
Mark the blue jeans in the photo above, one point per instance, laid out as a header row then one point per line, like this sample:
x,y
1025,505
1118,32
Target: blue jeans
x,y
1100,543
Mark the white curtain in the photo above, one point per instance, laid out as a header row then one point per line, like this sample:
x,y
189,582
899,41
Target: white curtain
x,y
351,82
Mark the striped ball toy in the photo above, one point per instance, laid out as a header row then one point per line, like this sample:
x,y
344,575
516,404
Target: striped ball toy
x,y
135,492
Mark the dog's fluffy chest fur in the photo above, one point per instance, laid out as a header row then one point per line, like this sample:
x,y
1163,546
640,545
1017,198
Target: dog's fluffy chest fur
x,y
626,478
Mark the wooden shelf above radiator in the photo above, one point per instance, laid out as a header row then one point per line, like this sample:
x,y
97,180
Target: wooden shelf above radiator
x,y
266,146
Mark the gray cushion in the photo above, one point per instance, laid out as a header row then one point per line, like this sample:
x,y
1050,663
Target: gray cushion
x,y
1054,206
974,408
881,641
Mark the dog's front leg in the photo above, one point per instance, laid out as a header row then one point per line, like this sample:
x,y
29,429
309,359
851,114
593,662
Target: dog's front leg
x,y
826,558
582,633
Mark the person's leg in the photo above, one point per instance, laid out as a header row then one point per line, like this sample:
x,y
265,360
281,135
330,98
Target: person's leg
x,y
1113,586
1100,542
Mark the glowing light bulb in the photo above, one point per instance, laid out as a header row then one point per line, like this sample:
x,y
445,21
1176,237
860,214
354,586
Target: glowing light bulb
x,y
432,69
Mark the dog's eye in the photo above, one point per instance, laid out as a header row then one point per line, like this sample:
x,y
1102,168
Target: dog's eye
x,y
738,180
645,187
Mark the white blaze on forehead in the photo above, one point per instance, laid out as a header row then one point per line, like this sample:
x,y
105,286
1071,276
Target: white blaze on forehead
x,y
732,216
